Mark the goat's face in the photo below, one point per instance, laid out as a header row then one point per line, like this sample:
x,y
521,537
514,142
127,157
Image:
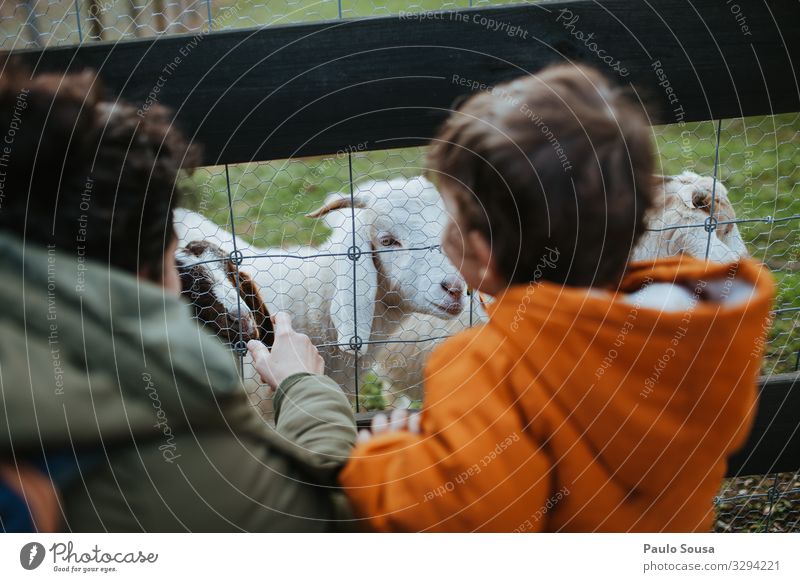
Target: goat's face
x,y
209,282
685,200
688,193
406,237
398,227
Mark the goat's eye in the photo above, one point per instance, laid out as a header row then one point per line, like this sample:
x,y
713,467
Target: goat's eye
x,y
389,241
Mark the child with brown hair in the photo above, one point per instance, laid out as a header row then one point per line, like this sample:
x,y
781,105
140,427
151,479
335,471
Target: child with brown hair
x,y
600,395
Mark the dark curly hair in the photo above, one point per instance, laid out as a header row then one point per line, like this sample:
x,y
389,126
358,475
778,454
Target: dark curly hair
x,y
561,160
85,173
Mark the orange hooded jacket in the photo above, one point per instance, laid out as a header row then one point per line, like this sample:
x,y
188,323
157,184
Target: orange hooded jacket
x,y
577,410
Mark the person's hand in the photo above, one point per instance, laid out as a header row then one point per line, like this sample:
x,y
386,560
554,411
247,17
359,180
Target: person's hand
x,y
381,424
292,353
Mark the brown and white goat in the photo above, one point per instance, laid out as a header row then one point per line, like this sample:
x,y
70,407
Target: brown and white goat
x,y
231,309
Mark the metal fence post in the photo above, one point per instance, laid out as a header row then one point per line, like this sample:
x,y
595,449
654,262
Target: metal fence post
x,y
355,342
711,221
236,258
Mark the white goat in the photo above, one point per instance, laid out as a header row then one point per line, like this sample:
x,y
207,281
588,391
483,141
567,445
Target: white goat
x,y
345,304
684,201
681,200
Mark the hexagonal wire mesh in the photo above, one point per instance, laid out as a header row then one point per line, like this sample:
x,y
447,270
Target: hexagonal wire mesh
x,y
265,202
41,23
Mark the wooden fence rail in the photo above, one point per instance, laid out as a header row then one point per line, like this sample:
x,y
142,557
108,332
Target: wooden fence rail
x,y
281,92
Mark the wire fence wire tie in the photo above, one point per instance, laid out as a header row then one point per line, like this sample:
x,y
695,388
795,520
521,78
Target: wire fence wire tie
x,y
240,347
236,257
354,253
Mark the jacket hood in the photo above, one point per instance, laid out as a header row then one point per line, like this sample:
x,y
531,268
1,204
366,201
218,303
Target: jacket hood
x,y
678,346
91,352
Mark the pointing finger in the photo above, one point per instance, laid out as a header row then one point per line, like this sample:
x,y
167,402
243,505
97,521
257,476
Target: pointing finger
x,y
379,423
397,420
257,350
413,422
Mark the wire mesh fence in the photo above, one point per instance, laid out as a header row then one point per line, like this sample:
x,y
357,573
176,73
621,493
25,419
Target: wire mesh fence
x,y
333,274
42,23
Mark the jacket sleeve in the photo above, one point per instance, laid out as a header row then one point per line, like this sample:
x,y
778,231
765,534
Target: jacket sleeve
x,y
313,415
473,467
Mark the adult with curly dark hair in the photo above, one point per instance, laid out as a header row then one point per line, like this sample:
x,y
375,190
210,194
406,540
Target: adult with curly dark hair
x,y
120,413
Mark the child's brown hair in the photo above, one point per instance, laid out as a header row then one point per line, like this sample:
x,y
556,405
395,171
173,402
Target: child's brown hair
x,y
561,160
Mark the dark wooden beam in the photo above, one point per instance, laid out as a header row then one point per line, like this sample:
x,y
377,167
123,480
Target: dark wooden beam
x,y
302,90
774,443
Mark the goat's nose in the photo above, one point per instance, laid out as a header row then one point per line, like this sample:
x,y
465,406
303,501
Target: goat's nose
x,y
454,288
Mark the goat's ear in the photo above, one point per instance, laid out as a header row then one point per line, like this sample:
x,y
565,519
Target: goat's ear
x,y
253,300
337,201
353,302
688,192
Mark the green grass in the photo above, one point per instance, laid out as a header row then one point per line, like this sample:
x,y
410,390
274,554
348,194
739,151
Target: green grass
x,y
247,13
371,394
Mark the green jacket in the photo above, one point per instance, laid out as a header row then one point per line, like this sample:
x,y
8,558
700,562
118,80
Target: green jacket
x,y
94,360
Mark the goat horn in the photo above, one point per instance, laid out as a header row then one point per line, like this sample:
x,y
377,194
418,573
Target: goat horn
x,y
336,204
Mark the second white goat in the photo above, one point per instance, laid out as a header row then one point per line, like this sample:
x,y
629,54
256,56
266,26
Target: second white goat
x,y
682,207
